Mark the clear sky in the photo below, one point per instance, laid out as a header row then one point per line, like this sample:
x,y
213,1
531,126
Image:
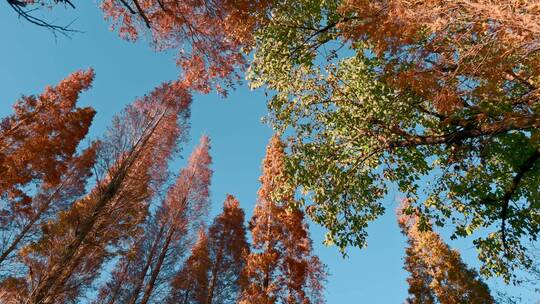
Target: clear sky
x,y
30,59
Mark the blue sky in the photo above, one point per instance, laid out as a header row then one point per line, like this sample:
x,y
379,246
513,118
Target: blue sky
x,y
30,59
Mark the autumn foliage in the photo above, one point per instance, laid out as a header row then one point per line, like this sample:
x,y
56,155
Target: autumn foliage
x,y
281,267
128,164
437,273
153,256
213,272
378,95
116,205
38,149
209,36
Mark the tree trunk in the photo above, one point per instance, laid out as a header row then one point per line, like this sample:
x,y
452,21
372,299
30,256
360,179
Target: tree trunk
x,y
157,268
147,265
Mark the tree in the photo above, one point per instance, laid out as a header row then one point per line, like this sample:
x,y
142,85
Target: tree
x,y
41,172
228,249
152,260
437,273
213,272
281,267
438,90
210,43
190,284
131,164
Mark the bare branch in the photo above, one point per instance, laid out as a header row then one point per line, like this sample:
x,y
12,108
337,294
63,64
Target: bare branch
x,y
19,7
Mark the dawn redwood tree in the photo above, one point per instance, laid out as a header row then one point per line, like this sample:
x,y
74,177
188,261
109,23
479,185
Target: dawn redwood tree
x,y
190,284
228,249
41,171
152,260
130,166
437,273
209,35
281,267
213,274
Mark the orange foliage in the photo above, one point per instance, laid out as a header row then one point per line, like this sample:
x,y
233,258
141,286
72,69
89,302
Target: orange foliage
x,y
131,164
210,35
152,259
281,267
40,170
40,139
190,285
228,249
437,273
213,272
450,52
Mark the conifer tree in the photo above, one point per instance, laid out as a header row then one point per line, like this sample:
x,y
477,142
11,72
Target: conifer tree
x,y
131,164
281,267
151,261
38,150
213,272
437,273
190,284
228,249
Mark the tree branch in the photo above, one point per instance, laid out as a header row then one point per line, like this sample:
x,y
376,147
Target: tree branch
x,y
18,7
525,167
521,122
142,13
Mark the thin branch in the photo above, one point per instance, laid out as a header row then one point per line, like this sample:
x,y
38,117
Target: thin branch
x,y
129,8
19,8
142,13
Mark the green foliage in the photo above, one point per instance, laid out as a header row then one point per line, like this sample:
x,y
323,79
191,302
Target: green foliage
x,y
354,136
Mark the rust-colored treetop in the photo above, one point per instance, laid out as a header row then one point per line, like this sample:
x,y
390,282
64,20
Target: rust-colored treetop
x,y
131,160
41,137
437,273
41,169
213,273
281,267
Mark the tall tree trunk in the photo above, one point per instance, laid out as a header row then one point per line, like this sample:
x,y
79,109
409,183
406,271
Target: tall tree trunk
x,y
140,281
51,280
214,274
155,271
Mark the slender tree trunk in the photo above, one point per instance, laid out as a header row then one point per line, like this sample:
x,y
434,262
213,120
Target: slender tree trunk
x,y
28,226
51,278
140,281
50,282
155,271
214,274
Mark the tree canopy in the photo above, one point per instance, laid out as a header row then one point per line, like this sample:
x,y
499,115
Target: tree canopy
x,y
437,99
